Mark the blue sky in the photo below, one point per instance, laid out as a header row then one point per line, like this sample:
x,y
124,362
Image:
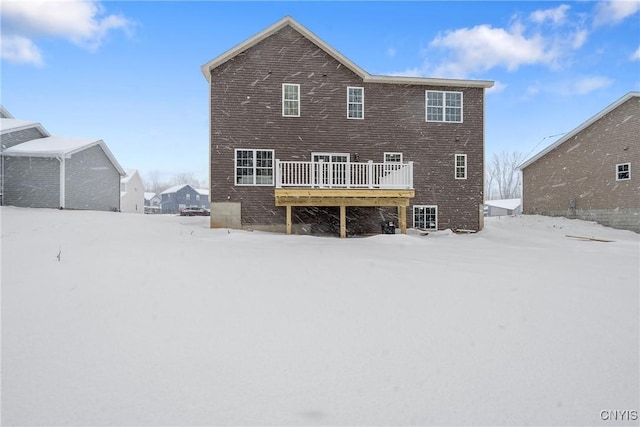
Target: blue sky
x,y
129,72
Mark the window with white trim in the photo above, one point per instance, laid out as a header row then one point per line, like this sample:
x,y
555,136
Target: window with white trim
x,y
254,167
425,217
393,157
355,102
443,106
290,100
623,171
461,166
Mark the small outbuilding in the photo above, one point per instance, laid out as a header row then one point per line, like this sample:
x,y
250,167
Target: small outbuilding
x,y
62,172
503,207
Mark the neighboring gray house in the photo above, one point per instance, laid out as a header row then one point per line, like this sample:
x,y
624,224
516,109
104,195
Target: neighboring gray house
x,y
131,192
503,207
592,172
43,171
151,203
176,198
304,140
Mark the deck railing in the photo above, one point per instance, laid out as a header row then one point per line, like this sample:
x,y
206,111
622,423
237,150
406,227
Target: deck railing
x,y
344,174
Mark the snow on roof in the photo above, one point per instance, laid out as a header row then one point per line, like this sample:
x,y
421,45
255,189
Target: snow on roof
x,y
366,77
57,146
149,196
202,191
130,173
13,125
175,188
510,204
4,113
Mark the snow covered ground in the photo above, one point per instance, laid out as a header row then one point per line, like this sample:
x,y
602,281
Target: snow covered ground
x,y
123,319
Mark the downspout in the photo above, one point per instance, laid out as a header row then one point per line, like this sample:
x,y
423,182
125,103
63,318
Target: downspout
x,y
210,152
62,180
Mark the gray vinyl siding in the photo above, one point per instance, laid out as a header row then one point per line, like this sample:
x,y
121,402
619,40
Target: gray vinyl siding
x,y
246,113
92,182
10,139
171,202
32,182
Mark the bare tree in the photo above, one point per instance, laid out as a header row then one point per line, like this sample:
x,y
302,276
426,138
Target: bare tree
x,y
186,178
502,179
152,182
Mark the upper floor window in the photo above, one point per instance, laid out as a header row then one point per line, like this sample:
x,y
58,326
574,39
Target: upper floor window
x,y
461,166
188,196
623,171
444,106
290,100
393,157
254,167
355,102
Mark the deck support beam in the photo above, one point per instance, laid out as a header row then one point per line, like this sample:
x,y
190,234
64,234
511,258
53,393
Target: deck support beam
x,y
288,219
342,198
402,219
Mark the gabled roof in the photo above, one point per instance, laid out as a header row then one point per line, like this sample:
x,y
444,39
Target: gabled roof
x,y
14,125
202,191
149,196
4,113
580,128
130,173
175,188
58,147
366,77
509,204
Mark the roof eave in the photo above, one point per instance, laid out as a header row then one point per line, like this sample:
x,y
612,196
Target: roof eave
x,y
579,129
427,81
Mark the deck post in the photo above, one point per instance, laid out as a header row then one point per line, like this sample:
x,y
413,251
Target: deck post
x,y
402,219
343,221
288,219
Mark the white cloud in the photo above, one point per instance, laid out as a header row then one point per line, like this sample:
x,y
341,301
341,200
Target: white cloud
x,y
635,56
391,52
613,12
83,23
556,15
483,47
586,85
19,49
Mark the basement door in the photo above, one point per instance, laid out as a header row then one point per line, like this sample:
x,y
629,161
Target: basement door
x,y
330,169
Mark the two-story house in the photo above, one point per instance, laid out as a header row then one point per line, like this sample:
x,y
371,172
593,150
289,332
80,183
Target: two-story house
x,y
132,192
303,140
179,197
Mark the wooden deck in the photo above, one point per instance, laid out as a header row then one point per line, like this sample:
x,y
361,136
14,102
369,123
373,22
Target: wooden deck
x,y
343,197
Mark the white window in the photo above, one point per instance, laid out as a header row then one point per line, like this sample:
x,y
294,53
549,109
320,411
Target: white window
x,y
355,102
461,166
623,171
443,106
425,217
197,197
188,196
393,157
290,100
254,167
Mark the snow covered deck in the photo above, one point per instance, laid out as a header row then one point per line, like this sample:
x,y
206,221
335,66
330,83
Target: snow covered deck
x,y
344,184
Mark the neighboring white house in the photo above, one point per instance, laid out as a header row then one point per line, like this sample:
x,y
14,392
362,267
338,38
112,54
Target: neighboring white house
x,y
151,203
131,192
503,207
